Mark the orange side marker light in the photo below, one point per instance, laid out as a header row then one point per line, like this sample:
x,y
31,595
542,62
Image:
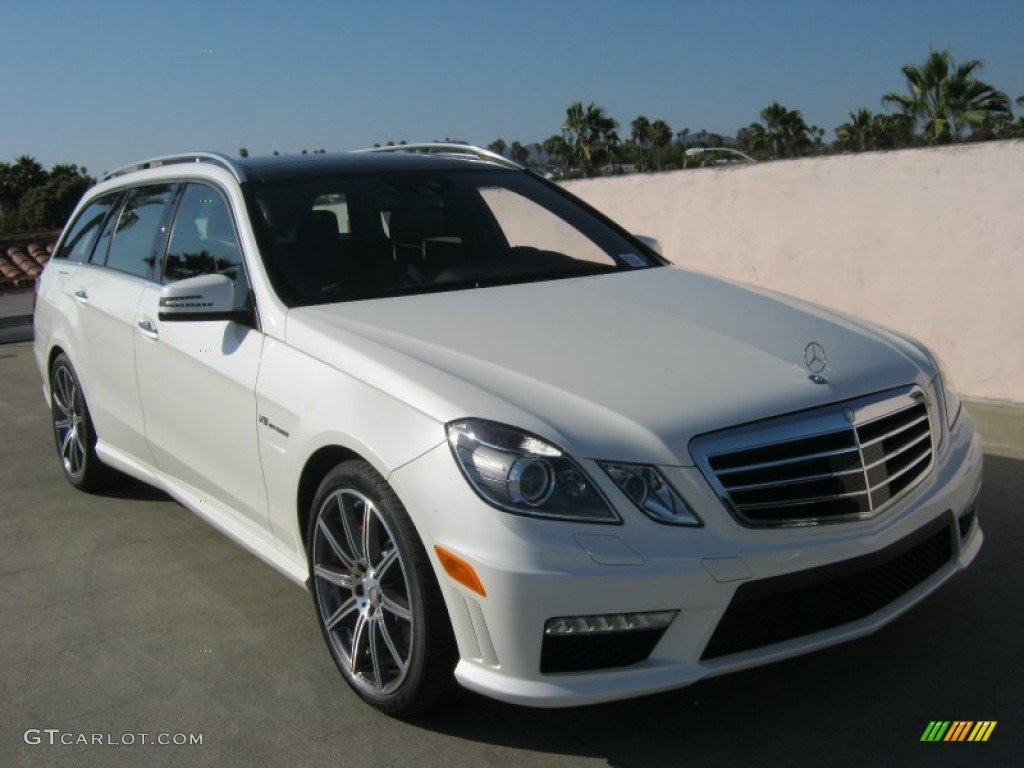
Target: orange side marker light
x,y
460,571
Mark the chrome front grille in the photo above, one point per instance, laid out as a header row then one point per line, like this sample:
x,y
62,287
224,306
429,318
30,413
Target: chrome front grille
x,y
841,462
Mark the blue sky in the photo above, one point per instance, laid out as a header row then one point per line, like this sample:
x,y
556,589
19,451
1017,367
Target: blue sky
x,y
108,82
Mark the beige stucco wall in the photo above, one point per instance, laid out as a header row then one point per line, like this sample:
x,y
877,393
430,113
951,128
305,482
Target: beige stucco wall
x,y
927,241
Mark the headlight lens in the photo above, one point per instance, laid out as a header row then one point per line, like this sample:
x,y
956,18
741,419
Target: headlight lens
x,y
521,473
650,491
950,398
944,386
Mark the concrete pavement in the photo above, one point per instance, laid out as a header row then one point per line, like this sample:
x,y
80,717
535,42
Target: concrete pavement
x,y
15,315
125,614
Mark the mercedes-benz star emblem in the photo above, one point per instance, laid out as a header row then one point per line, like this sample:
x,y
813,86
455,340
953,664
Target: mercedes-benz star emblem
x,y
815,360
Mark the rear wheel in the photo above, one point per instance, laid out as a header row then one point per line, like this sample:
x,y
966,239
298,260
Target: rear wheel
x,y
377,601
73,431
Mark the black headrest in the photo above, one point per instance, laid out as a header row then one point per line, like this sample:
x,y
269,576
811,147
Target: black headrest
x,y
318,227
414,225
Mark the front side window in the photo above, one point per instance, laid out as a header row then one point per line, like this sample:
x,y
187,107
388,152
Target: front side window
x,y
203,240
328,239
137,235
83,233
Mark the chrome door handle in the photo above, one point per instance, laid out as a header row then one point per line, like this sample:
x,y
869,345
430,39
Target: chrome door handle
x,y
81,296
147,329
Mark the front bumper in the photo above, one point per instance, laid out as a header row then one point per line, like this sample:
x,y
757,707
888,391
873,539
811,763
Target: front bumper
x,y
536,570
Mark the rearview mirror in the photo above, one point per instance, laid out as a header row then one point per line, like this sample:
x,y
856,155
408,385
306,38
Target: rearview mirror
x,y
650,242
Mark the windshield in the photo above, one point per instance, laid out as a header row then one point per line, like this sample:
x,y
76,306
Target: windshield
x,y
342,238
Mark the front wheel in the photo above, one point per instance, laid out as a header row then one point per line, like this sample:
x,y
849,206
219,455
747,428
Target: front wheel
x,y
377,601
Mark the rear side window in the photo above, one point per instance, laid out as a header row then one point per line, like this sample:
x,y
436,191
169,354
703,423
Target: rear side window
x,y
82,236
138,234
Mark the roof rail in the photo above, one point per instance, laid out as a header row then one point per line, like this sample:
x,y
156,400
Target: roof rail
x,y
450,149
216,158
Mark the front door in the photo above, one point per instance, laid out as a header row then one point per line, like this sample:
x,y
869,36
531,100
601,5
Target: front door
x,y
197,378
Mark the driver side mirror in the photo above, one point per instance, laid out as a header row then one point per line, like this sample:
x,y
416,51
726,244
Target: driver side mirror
x,y
206,297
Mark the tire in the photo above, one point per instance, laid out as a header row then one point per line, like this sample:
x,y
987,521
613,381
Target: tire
x,y
74,434
377,600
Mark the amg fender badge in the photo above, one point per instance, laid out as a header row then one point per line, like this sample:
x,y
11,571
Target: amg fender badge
x,y
267,423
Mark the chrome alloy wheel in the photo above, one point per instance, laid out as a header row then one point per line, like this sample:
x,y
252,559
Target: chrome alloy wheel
x,y
362,592
69,421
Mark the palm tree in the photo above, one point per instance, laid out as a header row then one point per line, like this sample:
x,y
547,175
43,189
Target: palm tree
x,y
753,139
661,137
817,135
17,178
773,116
588,131
861,123
640,131
519,153
497,146
612,144
893,131
557,149
67,171
243,152
945,97
785,129
574,129
682,137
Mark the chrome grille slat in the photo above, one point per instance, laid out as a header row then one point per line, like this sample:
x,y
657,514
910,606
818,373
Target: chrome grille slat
x,y
888,480
861,456
899,452
802,502
898,431
809,478
783,462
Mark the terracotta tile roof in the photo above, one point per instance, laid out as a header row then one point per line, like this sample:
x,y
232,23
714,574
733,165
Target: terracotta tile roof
x,y
20,265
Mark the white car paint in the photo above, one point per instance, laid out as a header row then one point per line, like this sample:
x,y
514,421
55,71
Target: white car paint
x,y
594,364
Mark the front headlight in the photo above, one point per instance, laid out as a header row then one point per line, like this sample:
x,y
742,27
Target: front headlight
x,y
950,399
649,490
521,473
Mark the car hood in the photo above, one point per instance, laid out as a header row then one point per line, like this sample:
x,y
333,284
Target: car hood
x,y
627,366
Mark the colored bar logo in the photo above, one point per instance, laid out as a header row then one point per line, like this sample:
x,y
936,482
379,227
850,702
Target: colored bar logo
x,y
959,730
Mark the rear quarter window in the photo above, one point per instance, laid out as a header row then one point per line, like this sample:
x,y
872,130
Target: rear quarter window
x,y
83,233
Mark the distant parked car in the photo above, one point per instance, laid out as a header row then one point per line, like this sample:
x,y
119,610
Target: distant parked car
x,y
500,439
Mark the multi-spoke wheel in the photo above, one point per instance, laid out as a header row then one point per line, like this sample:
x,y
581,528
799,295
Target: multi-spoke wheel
x,y
379,606
73,430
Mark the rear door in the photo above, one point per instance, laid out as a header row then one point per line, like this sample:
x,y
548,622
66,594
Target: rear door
x,y
102,295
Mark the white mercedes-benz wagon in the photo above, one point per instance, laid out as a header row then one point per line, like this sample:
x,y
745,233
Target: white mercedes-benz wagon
x,y
503,443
